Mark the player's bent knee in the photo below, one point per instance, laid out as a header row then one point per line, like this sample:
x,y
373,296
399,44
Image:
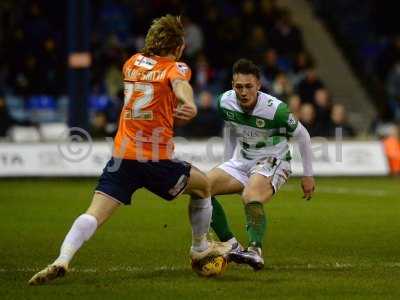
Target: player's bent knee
x,y
102,207
200,194
250,195
199,185
199,190
216,188
213,188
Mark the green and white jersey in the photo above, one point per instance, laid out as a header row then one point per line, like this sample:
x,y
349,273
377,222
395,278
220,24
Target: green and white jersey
x,y
263,132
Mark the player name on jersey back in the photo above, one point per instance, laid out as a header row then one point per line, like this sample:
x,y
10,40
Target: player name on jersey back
x,y
147,119
145,75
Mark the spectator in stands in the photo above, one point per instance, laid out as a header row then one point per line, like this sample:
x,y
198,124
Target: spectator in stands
x,y
393,89
307,118
203,73
207,123
388,58
307,87
269,67
116,105
392,149
295,105
211,27
140,19
248,11
256,44
268,12
99,125
285,36
99,100
282,87
113,80
51,69
36,44
323,107
193,37
228,37
114,19
33,55
302,62
339,123
27,81
6,121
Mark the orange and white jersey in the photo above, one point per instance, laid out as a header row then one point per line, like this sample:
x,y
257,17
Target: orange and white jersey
x,y
146,123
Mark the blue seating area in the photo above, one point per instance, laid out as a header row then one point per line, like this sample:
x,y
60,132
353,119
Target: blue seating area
x,y
34,78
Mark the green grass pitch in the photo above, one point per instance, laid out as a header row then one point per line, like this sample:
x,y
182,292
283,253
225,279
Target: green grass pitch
x,y
343,244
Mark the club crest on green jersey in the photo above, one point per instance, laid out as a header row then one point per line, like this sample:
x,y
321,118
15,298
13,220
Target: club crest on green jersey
x,y
260,123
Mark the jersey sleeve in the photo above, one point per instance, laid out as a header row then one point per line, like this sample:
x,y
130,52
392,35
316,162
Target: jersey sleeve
x,y
285,119
230,137
179,70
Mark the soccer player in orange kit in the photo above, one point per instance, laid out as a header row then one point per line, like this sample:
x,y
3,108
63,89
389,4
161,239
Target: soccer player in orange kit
x,y
157,94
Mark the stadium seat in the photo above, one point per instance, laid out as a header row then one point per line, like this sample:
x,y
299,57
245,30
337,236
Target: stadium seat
x,y
53,131
42,108
23,134
99,102
62,109
15,107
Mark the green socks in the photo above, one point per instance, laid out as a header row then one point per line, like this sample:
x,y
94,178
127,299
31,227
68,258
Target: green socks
x,y
219,223
256,223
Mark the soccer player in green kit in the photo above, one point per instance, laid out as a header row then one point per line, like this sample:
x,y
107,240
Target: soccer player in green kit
x,y
257,129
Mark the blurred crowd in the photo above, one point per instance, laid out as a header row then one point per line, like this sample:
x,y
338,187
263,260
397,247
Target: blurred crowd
x,y
369,34
33,65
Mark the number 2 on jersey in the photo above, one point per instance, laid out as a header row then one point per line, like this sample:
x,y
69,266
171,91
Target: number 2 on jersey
x,y
137,112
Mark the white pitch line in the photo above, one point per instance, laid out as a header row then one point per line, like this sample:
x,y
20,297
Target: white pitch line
x,y
334,266
133,269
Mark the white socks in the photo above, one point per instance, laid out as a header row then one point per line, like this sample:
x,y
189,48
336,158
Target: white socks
x,y
82,229
200,212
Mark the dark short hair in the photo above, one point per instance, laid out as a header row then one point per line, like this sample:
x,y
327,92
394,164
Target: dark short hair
x,y
246,66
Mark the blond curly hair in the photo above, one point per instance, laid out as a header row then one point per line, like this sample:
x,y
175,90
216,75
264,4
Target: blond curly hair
x,y
164,36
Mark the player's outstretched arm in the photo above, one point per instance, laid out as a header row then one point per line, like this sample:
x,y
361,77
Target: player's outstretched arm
x,y
303,139
187,109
